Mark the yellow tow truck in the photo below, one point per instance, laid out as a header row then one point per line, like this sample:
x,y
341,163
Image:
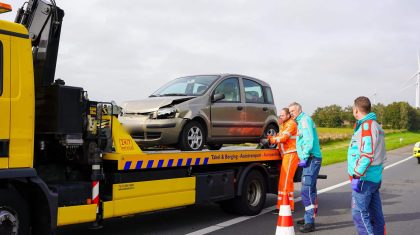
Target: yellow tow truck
x,y
65,159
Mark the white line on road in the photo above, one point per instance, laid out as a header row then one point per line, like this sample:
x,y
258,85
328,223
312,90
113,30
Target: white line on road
x,y
271,208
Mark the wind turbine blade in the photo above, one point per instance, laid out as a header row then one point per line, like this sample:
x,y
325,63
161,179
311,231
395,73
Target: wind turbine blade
x,y
413,76
402,89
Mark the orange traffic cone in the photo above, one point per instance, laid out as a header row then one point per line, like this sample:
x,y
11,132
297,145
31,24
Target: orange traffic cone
x,y
285,220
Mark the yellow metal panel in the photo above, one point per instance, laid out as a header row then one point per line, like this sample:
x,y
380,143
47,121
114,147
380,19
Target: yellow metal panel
x,y
153,202
5,97
4,163
153,187
174,159
76,214
123,142
108,209
22,104
13,27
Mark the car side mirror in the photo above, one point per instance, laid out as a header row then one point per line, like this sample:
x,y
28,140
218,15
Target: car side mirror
x,y
217,97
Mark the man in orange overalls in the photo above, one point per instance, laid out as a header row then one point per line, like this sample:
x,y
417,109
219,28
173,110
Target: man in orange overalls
x,y
286,140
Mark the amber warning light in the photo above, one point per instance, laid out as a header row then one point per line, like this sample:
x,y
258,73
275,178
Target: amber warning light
x,y
5,8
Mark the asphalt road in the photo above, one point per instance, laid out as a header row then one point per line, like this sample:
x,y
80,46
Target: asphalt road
x,y
400,194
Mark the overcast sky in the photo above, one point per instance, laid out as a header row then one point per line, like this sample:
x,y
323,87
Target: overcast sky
x,y
316,52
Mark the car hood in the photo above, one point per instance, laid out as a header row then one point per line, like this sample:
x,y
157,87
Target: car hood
x,y
152,104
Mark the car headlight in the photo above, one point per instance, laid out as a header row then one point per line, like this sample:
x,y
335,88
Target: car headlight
x,y
165,113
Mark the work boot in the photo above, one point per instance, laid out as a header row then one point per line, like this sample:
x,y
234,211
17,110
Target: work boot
x,y
307,228
301,221
276,212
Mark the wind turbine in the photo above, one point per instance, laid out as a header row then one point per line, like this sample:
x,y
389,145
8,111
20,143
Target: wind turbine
x,y
416,74
374,96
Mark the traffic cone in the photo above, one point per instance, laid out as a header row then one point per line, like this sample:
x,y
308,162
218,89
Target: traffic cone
x,y
285,220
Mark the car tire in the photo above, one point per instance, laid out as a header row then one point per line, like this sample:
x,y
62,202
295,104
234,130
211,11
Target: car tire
x,y
271,130
14,213
192,137
214,146
252,198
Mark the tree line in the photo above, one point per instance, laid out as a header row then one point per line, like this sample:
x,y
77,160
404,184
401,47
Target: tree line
x,y
397,115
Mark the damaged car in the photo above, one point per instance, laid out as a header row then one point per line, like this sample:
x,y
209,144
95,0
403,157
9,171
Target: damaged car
x,y
191,112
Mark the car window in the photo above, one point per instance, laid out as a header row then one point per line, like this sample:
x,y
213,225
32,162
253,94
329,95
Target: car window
x,y
253,92
269,95
230,88
187,86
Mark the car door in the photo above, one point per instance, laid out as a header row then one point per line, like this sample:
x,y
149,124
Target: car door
x,y
4,100
227,115
256,109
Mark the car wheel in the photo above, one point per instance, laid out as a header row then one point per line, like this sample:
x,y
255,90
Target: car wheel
x,y
214,146
192,137
271,130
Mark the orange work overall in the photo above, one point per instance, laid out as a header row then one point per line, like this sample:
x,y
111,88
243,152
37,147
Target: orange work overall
x,y
286,139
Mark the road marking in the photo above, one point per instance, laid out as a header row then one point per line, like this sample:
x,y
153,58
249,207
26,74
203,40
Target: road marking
x,y
401,161
271,208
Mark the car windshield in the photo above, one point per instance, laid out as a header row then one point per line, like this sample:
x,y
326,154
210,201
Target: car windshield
x,y
186,86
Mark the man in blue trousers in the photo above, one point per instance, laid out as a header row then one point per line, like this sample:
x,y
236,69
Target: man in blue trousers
x,y
310,158
365,157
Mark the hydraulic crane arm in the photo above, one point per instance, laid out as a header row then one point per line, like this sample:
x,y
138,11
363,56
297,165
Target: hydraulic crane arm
x,y
43,21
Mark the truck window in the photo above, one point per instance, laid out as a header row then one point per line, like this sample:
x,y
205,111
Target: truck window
x,y
1,68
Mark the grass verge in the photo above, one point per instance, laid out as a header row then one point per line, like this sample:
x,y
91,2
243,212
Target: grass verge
x,y
334,152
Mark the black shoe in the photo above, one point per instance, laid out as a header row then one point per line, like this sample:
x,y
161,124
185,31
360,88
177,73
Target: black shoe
x,y
301,222
276,212
307,228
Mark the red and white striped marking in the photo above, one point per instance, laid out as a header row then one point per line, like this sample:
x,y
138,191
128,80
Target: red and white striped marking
x,y
95,193
285,220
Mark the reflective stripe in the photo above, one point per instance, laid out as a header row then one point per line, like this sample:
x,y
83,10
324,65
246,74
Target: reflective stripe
x,y
286,133
293,137
282,147
310,207
285,210
290,151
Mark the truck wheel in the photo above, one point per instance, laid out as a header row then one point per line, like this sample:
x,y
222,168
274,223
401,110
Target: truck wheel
x,y
214,146
14,215
271,130
254,193
192,137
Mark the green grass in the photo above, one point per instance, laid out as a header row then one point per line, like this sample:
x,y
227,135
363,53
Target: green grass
x,y
334,152
328,135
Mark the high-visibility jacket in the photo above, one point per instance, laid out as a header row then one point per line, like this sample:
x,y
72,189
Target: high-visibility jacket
x,y
307,142
286,138
366,153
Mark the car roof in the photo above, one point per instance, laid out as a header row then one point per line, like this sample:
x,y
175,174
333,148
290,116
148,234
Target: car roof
x,y
223,75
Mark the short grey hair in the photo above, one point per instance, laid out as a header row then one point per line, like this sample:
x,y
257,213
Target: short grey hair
x,y
297,105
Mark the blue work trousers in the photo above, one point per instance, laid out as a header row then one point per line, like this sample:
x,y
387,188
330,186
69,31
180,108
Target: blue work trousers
x,y
308,191
367,209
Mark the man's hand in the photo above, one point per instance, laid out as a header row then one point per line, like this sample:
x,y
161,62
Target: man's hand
x,y
355,185
271,139
303,163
